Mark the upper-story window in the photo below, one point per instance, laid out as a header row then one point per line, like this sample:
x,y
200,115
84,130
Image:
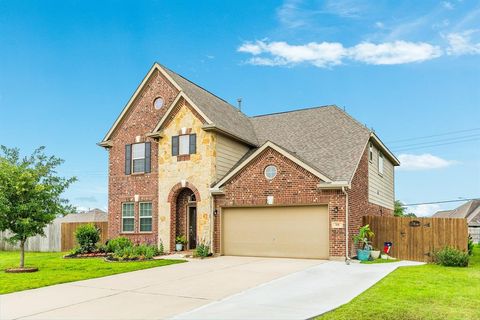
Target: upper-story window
x,y
380,163
137,158
184,144
370,152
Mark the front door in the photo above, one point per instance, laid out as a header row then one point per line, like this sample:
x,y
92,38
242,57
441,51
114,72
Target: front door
x,y
192,227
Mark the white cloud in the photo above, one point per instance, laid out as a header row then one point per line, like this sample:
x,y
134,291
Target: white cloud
x,y
379,25
424,210
424,161
448,5
327,54
322,54
398,52
460,43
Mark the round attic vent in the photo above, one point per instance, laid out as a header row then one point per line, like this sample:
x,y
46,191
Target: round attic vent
x,y
158,103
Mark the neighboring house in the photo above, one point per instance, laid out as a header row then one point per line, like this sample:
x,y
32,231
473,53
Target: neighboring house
x,y
470,211
182,161
93,215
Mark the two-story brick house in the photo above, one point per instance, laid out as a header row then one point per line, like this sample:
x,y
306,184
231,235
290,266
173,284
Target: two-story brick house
x,y
182,161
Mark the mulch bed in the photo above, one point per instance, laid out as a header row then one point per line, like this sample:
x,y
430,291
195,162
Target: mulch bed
x,y
21,270
86,255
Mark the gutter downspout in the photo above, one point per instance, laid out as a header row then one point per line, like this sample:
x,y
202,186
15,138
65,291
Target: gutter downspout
x,y
347,258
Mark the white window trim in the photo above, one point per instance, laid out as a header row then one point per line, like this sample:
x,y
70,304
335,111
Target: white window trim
x,y
179,144
139,158
129,217
381,163
265,171
140,217
370,152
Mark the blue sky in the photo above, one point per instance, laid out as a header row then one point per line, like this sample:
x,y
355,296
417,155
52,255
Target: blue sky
x,y
408,70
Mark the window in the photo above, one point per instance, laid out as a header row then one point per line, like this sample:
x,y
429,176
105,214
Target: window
x,y
380,163
184,144
128,217
270,172
145,216
137,158
158,103
370,153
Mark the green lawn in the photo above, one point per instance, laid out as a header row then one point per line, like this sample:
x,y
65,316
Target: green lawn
x,y
423,292
53,269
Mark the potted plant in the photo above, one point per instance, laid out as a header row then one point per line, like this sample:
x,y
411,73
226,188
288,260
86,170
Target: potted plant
x,y
363,236
180,241
375,254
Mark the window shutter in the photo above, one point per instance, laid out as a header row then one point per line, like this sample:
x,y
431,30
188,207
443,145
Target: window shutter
x,y
193,143
175,146
128,159
147,156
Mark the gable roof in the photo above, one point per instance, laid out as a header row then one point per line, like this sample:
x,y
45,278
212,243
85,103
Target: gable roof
x,y
223,115
325,137
218,113
268,144
469,210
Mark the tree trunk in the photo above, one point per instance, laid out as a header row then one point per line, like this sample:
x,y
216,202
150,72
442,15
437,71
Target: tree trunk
x,y
22,253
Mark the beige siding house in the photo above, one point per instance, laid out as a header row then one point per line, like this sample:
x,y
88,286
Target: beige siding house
x,y
380,180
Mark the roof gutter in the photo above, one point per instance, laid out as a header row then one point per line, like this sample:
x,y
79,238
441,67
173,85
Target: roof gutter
x,y
214,128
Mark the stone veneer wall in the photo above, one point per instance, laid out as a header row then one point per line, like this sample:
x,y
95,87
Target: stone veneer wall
x,y
140,120
196,172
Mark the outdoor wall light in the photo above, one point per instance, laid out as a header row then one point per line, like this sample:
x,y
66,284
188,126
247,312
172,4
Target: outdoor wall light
x,y
335,210
215,212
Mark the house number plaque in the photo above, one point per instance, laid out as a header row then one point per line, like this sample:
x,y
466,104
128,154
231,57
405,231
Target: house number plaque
x,y
337,224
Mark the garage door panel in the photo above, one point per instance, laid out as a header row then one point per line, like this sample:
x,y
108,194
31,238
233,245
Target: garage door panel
x,y
296,232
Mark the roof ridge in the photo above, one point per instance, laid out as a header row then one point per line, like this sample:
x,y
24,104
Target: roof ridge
x,y
199,86
290,111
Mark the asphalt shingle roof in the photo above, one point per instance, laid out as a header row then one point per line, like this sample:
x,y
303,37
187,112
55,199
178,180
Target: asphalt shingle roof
x,y
469,210
223,115
326,138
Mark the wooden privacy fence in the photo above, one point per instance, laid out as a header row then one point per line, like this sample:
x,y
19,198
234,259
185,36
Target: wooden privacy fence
x,y
68,233
417,238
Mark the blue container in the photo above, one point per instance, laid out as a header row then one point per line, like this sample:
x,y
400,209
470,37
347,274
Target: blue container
x,y
363,255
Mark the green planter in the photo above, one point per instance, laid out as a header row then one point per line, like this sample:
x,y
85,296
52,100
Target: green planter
x,y
363,255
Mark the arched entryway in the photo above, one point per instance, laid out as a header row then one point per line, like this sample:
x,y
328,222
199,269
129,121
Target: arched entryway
x,y
183,204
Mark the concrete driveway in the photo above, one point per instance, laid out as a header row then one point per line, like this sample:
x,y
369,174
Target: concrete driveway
x,y
156,293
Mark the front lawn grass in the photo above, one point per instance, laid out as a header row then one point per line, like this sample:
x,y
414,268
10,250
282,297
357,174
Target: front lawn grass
x,y
427,292
53,269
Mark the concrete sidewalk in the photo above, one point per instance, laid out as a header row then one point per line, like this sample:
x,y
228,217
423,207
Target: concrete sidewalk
x,y
301,295
156,293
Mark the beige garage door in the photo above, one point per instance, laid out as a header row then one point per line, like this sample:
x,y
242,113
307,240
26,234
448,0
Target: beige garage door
x,y
292,232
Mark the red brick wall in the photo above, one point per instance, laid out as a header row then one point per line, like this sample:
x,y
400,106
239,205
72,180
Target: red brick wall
x,y
140,120
359,205
293,185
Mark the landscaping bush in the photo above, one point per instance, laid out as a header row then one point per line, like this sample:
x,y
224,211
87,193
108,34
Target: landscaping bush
x,y
451,257
139,252
202,250
470,245
118,243
87,237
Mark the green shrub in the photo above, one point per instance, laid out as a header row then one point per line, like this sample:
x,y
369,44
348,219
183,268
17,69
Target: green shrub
x,y
139,252
451,257
202,250
470,245
181,239
161,249
118,243
87,237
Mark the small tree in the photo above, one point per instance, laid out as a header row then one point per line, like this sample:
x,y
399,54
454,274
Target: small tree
x,y
400,210
30,194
